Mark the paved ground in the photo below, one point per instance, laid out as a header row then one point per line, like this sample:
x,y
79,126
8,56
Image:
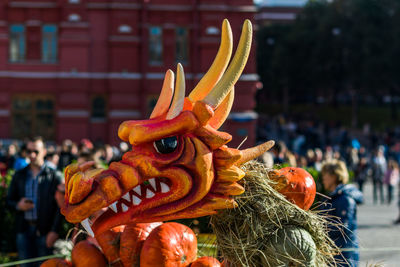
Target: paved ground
x,y
379,237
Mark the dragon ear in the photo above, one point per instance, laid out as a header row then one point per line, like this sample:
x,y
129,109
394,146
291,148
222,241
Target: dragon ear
x,y
218,66
254,152
179,95
228,80
166,95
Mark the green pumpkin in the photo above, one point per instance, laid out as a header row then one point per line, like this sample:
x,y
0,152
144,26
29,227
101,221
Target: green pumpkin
x,y
294,246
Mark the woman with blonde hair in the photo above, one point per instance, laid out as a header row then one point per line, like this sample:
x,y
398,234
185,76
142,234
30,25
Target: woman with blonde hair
x,y
342,208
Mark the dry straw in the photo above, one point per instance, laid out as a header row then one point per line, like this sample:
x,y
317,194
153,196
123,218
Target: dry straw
x,y
267,230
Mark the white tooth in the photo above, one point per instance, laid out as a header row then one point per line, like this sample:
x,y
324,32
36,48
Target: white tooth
x,y
149,194
164,188
85,223
136,200
127,197
124,207
138,190
153,183
113,206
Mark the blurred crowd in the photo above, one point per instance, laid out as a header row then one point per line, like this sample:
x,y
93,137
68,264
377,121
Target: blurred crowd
x,y
340,159
356,157
36,191
307,143
14,154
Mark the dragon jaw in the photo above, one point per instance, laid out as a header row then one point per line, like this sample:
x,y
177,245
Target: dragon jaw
x,y
179,166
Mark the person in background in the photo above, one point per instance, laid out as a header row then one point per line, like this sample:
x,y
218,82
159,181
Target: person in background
x,y
108,154
310,157
378,171
51,160
353,159
278,152
22,160
31,194
362,173
391,179
318,159
7,160
342,204
85,146
66,156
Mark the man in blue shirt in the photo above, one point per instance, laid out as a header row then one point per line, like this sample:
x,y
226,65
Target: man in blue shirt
x,y
31,194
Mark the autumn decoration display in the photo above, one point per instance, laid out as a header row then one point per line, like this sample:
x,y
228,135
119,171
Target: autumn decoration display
x,y
180,167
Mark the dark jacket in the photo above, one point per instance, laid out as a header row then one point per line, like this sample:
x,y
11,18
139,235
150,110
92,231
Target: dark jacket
x,y
343,209
48,213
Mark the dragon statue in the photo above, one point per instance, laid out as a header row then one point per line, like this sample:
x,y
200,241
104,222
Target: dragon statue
x,y
180,166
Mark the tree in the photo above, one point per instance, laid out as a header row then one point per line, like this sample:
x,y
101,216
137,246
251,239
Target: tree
x,y
334,49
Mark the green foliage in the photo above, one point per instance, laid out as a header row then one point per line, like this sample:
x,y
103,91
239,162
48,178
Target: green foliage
x,y
5,258
7,225
333,48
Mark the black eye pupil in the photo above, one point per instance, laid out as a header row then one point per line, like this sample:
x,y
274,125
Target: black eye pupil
x,y
166,145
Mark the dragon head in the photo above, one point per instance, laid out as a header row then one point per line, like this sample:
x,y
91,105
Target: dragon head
x,y
179,166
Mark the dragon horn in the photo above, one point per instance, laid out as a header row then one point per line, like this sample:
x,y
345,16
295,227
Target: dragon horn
x,y
179,95
228,80
254,152
166,95
222,112
217,68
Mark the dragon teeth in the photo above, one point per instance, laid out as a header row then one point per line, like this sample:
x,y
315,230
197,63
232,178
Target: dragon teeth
x,y
138,190
85,223
113,206
136,200
153,183
127,197
124,207
149,194
164,188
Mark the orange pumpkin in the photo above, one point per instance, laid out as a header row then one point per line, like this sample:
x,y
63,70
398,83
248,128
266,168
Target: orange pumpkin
x,y
85,254
206,262
169,245
109,242
132,240
300,188
57,262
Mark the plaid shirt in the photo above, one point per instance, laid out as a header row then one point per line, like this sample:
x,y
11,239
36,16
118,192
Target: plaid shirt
x,y
31,192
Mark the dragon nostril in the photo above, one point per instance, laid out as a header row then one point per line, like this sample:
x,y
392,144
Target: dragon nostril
x,y
166,145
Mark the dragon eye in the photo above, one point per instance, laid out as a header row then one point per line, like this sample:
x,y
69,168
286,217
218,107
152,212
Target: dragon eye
x,y
166,145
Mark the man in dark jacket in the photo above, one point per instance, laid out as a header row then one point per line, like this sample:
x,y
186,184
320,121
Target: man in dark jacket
x,y
31,194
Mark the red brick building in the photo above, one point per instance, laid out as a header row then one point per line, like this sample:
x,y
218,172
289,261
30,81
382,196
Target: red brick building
x,y
78,68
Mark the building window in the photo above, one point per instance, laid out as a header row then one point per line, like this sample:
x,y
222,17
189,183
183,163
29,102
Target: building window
x,y
181,52
17,47
98,108
49,43
155,46
33,115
